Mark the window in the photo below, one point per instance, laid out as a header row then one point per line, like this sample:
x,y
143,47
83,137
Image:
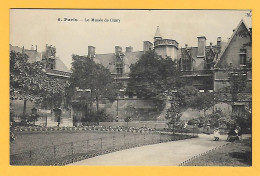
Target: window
x,y
119,65
243,56
186,65
209,59
50,63
119,68
209,62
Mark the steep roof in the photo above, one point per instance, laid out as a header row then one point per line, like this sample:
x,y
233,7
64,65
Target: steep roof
x,y
133,57
34,55
230,39
15,48
107,60
198,63
60,66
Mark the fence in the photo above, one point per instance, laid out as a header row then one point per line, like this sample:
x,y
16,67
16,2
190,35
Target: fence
x,y
70,152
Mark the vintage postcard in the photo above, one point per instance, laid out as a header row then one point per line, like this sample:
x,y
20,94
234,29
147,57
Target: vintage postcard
x,y
99,87
110,89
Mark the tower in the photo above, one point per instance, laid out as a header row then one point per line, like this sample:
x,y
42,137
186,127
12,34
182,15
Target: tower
x,y
165,47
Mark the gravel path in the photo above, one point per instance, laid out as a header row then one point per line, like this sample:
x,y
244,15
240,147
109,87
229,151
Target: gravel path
x,y
164,154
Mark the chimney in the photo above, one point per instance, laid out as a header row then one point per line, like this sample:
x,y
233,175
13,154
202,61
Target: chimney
x,y
201,46
36,48
23,50
219,45
219,41
129,49
91,51
118,50
147,46
186,46
210,44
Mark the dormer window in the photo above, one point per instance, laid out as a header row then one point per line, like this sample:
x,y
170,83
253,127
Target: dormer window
x,y
243,54
119,68
50,63
119,65
186,63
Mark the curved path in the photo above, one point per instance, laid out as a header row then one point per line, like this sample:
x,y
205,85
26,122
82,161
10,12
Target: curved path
x,y
163,154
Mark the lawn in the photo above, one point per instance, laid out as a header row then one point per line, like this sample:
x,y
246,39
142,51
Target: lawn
x,y
49,148
238,153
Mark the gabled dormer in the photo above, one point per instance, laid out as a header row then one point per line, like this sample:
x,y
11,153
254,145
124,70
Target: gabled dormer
x,y
210,57
238,52
49,57
186,60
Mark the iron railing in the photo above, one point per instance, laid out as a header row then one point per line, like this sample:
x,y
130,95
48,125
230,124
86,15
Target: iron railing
x,y
74,151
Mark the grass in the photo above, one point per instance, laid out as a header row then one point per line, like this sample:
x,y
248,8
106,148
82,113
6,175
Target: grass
x,y
238,153
50,148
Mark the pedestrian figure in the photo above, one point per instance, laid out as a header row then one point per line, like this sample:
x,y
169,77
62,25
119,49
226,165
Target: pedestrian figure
x,y
216,134
233,135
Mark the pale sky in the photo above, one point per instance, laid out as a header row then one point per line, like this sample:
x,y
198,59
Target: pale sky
x,y
41,26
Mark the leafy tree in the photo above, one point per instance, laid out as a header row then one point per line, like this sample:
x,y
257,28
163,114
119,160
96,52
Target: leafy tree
x,y
238,82
151,75
131,111
86,74
185,95
244,120
29,82
202,101
174,115
217,118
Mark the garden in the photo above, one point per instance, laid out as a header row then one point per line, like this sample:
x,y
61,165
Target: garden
x,y
60,146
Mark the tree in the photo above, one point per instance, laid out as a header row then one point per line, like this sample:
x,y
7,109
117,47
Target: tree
x,y
217,118
202,101
185,95
174,115
28,81
86,74
238,82
151,75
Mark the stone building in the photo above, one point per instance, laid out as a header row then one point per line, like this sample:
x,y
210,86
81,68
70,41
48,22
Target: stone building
x,y
204,66
197,63
233,71
207,67
120,61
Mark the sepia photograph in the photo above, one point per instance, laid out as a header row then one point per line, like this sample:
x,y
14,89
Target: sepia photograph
x,y
130,87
